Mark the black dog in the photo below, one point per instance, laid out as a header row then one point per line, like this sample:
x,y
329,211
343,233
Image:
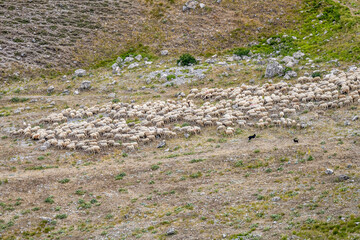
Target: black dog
x,y
296,140
251,137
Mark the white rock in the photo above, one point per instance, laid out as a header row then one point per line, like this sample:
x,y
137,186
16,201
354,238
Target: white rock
x,y
133,65
138,57
80,72
329,171
164,52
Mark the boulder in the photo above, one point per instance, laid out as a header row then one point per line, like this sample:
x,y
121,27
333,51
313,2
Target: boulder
x,y
85,85
298,55
164,52
80,72
274,69
50,89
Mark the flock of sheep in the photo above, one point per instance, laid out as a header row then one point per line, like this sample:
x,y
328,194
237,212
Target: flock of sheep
x,y
126,126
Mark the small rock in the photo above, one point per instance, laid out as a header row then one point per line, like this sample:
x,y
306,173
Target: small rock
x,y
17,111
298,55
76,92
164,52
349,166
186,135
43,148
329,171
50,89
66,92
191,4
346,123
138,57
112,95
119,60
343,178
202,5
80,72
170,231
162,144
355,118
276,199
133,65
129,59
85,85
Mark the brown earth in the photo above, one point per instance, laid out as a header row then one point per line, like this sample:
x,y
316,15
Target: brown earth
x,y
53,34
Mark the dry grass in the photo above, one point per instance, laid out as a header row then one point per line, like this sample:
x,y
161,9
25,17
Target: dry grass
x,y
52,35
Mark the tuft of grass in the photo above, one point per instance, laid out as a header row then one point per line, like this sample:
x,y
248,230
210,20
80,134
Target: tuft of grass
x,y
65,180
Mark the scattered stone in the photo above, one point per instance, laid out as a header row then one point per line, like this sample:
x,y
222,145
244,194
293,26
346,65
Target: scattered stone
x,y
76,92
133,65
274,69
112,95
276,199
346,123
164,52
50,89
138,57
329,171
17,111
343,178
202,5
119,60
129,59
85,85
43,148
298,55
355,118
66,92
80,72
170,231
192,4
349,166
210,60
162,144
186,135
64,78
290,74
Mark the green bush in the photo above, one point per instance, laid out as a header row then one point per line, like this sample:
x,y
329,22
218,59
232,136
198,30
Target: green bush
x,y
242,52
186,60
316,74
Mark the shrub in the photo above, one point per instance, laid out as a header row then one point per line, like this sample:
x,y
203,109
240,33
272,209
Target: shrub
x,y
186,60
61,216
120,176
316,74
242,52
170,77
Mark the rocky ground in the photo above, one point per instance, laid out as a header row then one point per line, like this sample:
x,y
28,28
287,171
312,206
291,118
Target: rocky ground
x,y
183,166
205,186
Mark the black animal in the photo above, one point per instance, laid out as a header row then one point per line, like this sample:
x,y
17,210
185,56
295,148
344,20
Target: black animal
x,y
251,137
296,140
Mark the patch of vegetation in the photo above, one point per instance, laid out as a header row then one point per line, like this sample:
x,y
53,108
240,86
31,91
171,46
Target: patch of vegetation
x,y
326,29
120,176
330,230
65,180
17,100
197,160
241,52
186,60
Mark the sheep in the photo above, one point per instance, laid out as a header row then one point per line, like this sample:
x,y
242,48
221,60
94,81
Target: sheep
x,y
244,106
